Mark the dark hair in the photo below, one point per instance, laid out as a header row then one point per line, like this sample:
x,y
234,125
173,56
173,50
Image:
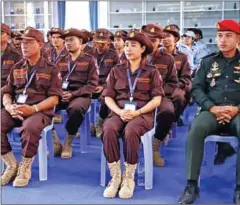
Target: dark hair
x,y
176,26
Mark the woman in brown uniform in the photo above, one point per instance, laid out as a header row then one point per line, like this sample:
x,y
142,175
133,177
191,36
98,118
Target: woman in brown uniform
x,y
133,91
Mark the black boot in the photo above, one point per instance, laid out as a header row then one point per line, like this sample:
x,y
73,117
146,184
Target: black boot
x,y
236,198
190,194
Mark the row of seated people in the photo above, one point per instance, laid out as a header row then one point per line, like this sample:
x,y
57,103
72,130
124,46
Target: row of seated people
x,y
149,78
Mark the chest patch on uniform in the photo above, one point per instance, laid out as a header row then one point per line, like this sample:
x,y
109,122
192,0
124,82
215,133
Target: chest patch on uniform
x,y
8,62
82,63
144,80
237,67
62,64
161,66
108,60
19,73
177,62
43,75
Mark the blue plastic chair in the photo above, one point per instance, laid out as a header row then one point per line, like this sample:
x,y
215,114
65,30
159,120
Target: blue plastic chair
x,y
45,148
85,136
211,148
146,141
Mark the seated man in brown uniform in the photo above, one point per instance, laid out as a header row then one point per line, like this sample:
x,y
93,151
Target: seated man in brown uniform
x,y
166,66
33,89
80,78
106,60
85,47
133,91
183,68
9,55
59,49
119,38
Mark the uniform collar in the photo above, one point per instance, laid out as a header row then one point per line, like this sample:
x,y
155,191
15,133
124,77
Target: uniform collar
x,y
143,65
237,55
39,64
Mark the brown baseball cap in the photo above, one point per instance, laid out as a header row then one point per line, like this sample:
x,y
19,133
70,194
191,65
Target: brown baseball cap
x,y
5,28
56,31
172,29
32,33
142,38
153,31
102,35
121,34
74,32
89,35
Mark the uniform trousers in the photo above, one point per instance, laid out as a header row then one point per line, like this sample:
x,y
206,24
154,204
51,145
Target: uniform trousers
x,y
76,110
203,125
30,131
131,132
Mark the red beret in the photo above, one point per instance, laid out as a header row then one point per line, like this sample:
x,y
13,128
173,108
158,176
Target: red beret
x,y
5,28
228,25
142,38
32,33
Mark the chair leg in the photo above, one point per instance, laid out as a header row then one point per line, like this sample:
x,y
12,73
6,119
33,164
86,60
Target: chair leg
x,y
42,159
210,148
103,168
84,134
148,160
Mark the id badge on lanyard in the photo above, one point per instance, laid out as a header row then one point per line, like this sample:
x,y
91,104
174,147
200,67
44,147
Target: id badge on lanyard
x,y
65,83
22,98
131,104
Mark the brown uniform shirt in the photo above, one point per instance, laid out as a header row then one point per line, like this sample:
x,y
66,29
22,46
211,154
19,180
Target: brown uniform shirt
x,y
105,63
183,70
10,57
166,66
123,58
149,85
89,50
84,78
55,58
46,82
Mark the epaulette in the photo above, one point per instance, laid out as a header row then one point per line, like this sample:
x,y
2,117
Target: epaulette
x,y
211,54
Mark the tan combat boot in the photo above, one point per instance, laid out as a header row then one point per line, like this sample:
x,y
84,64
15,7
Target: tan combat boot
x,y
57,119
24,172
56,144
67,147
99,128
114,185
11,170
157,159
128,184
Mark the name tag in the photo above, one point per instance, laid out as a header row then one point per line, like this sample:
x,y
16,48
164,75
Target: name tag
x,y
22,99
130,106
65,85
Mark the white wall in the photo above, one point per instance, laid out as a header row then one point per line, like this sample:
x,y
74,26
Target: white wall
x,y
77,15
102,14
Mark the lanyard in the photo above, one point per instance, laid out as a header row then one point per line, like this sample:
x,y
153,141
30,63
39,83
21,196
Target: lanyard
x,y
70,70
132,87
29,80
57,57
100,62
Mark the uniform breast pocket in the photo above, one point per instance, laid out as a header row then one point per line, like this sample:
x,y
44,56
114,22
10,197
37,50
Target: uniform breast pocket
x,y
20,82
143,87
120,86
105,69
82,73
42,84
